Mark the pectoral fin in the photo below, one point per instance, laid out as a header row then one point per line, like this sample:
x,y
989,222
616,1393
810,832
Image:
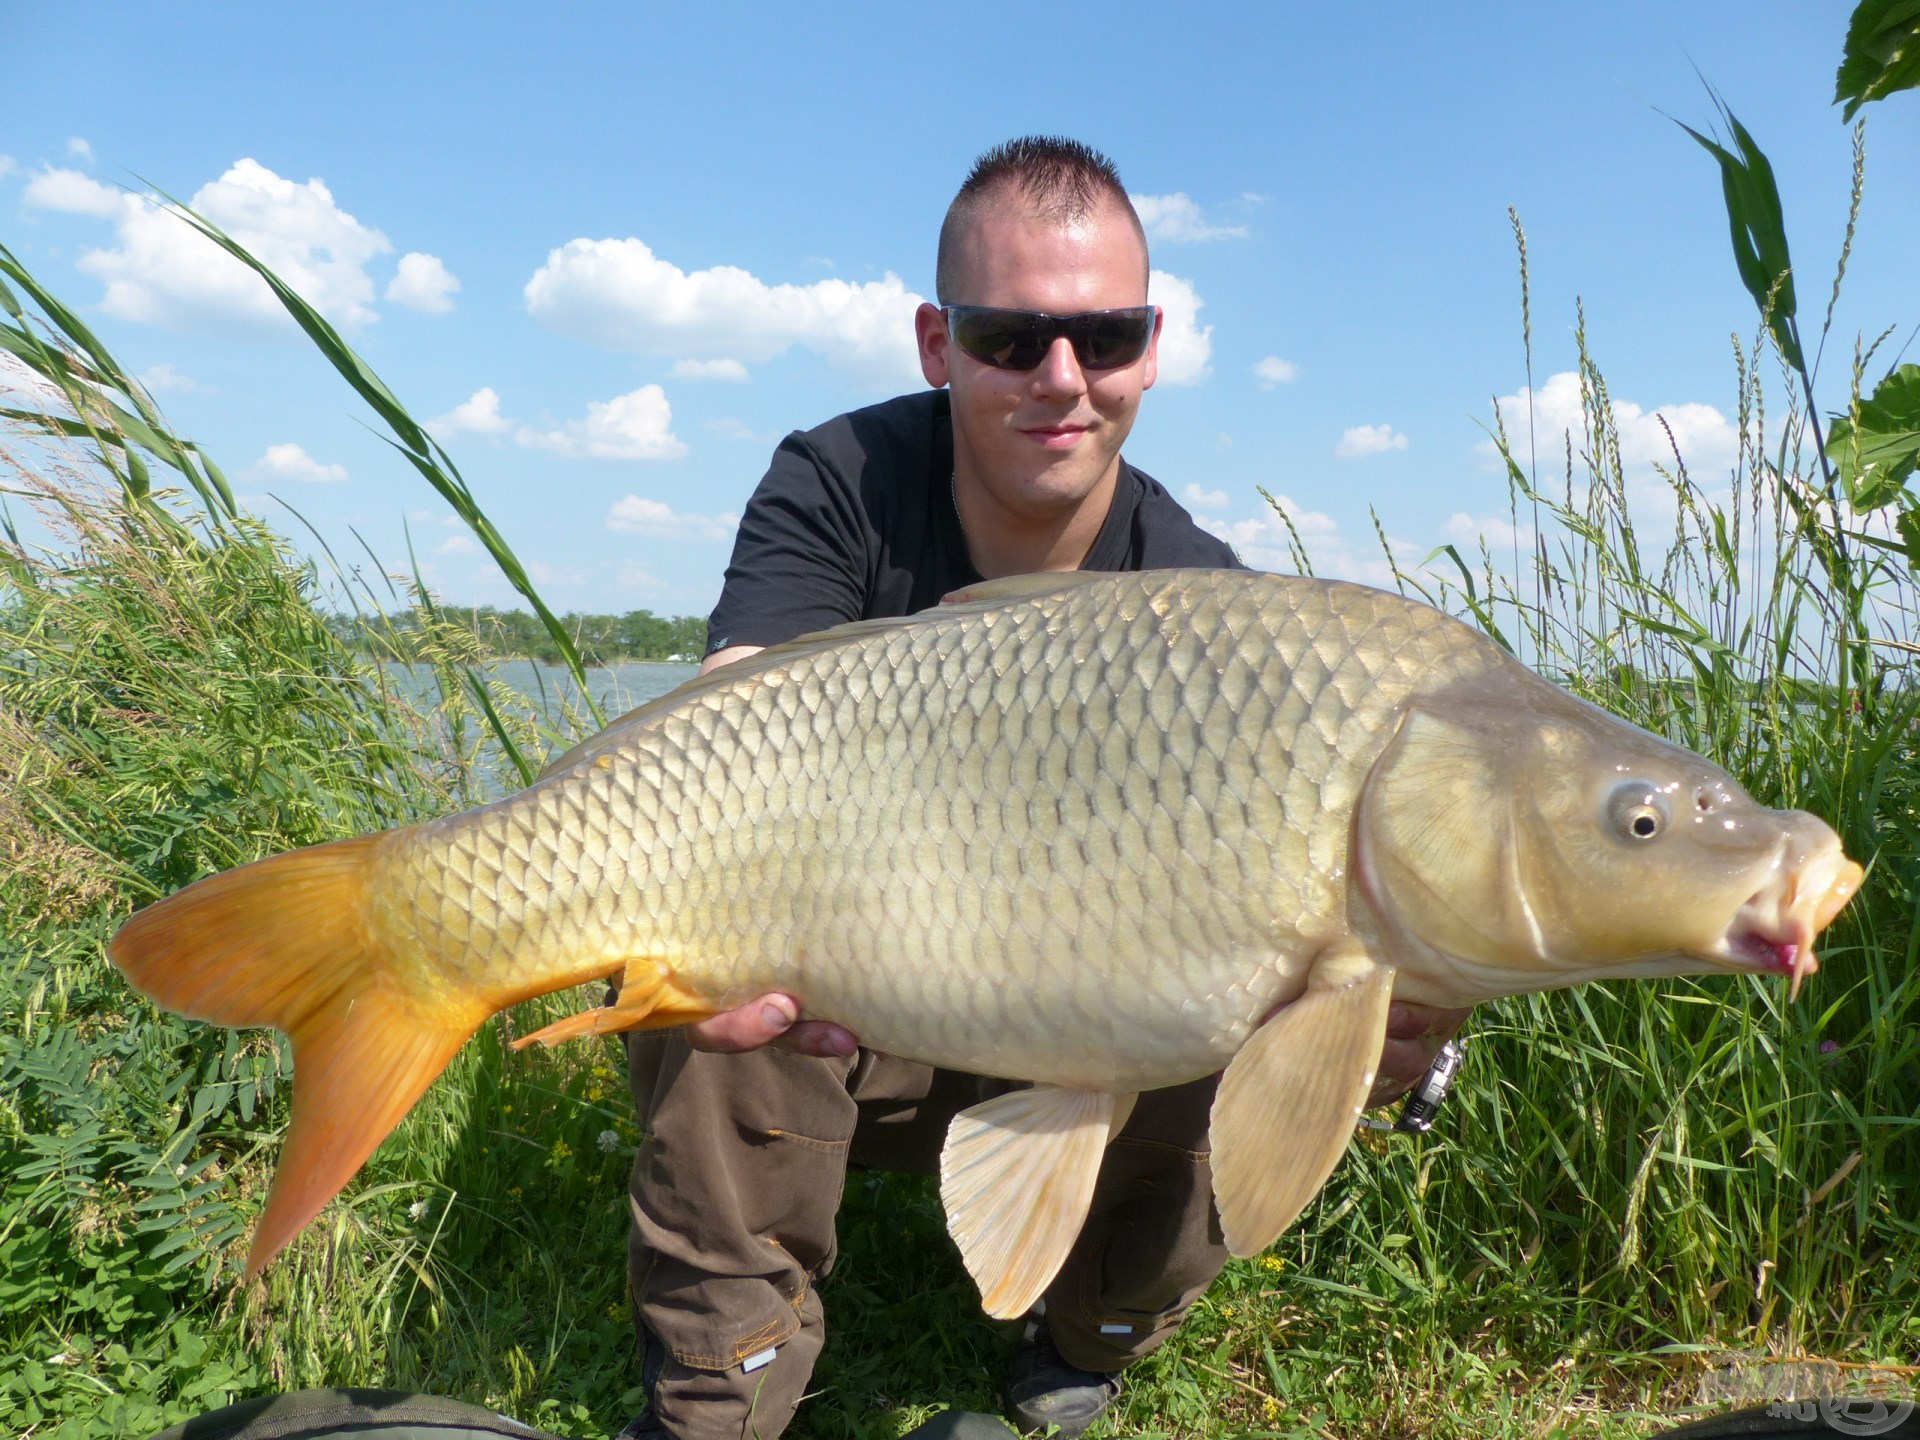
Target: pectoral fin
x,y
1016,1177
1288,1101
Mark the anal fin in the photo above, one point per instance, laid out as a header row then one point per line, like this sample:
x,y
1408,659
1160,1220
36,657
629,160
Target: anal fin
x,y
1016,1177
650,998
1288,1101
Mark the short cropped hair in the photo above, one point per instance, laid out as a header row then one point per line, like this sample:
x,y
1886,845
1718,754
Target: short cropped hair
x,y
1057,179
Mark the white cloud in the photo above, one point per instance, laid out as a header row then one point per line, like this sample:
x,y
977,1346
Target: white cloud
x,y
1369,440
290,462
457,545
1498,531
634,426
731,371
1274,371
422,282
619,294
1185,346
162,271
72,193
637,515
1706,437
79,149
638,577
164,379
1204,499
478,414
1177,219
1262,542
6,166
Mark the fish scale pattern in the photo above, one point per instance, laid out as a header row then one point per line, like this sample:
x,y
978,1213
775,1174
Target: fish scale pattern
x,y
1087,837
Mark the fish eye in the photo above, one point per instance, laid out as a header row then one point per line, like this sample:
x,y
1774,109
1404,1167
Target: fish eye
x,y
1637,812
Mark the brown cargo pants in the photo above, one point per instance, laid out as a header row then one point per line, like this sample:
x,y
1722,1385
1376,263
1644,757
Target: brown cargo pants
x,y
736,1185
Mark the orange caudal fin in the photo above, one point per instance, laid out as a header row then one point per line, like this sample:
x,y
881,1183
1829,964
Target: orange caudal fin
x,y
285,942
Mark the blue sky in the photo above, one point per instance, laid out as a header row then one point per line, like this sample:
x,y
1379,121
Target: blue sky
x,y
621,251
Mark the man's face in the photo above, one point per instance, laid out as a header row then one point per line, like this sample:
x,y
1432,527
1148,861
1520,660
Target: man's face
x,y
1041,440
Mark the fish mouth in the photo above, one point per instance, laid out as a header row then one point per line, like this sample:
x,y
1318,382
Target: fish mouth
x,y
1773,932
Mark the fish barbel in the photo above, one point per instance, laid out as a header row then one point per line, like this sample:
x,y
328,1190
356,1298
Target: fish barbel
x,y
1105,833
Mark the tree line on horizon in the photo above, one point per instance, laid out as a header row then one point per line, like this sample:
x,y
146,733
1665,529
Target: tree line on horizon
x,y
600,639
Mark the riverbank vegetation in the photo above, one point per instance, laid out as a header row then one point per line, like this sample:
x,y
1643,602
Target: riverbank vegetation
x,y
1642,1197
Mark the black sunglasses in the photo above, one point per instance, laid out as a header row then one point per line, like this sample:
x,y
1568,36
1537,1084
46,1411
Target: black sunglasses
x,y
1020,339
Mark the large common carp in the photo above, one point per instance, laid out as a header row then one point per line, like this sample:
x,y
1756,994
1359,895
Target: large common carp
x,y
1105,833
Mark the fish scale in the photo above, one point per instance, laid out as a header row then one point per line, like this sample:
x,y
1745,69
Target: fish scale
x,y
992,838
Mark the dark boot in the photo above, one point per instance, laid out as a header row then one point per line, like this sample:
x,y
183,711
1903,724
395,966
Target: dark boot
x,y
1046,1390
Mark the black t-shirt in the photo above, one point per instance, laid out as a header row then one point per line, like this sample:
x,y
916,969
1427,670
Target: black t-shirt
x,y
855,520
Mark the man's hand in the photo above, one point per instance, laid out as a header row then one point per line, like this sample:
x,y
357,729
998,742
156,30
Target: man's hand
x,y
773,1020
1415,1034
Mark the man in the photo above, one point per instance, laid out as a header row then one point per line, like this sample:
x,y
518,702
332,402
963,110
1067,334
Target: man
x,y
1039,351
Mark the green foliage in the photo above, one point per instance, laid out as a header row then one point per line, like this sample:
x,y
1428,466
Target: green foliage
x,y
97,395
1876,449
1882,53
171,704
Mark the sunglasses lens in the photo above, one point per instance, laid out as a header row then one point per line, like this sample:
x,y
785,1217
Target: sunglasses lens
x,y
1020,339
1105,341
1004,339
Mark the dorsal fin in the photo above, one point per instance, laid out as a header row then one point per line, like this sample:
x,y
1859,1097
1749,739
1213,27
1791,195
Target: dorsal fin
x,y
970,600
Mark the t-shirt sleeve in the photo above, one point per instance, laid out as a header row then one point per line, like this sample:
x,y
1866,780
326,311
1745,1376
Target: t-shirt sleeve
x,y
800,555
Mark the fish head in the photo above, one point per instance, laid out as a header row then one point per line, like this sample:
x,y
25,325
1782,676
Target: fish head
x,y
1544,843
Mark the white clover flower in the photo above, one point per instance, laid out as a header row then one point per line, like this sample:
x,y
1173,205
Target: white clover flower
x,y
608,1142
417,1210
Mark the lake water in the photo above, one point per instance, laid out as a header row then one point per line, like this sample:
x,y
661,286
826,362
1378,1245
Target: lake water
x,y
550,689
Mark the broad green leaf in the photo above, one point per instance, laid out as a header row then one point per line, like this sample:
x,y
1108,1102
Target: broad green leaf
x,y
1876,458
1758,228
1910,535
1881,54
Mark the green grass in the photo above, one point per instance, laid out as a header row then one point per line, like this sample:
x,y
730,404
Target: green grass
x,y
1636,1184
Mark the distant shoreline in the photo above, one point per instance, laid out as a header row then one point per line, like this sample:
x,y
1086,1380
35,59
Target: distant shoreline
x,y
561,664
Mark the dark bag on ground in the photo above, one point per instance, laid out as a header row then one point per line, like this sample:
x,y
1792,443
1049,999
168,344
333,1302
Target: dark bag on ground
x,y
352,1415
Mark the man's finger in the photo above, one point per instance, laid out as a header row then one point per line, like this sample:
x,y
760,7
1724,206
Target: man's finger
x,y
772,1019
748,1027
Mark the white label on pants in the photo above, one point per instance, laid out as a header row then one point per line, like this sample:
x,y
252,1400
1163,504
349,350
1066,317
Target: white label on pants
x,y
1116,1329
754,1362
